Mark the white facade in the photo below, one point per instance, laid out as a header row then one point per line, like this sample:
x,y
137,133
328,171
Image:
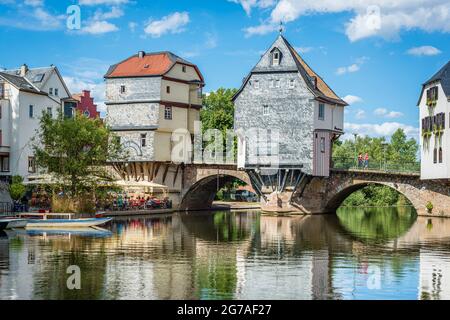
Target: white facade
x,y
434,127
23,102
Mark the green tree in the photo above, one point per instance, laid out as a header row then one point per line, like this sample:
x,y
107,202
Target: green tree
x,y
17,189
74,151
218,110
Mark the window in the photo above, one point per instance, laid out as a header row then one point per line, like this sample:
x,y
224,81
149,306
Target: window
x,y
50,91
38,78
434,155
50,112
31,165
272,83
117,140
2,90
321,111
256,84
440,155
276,58
199,93
265,110
183,68
277,83
322,144
168,89
291,83
31,111
143,140
168,113
4,163
56,92
122,89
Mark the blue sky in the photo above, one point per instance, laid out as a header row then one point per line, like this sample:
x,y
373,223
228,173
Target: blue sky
x,y
375,54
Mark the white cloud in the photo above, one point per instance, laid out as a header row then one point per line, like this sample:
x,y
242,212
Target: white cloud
x,y
360,114
353,67
383,112
132,26
424,51
350,99
384,129
99,27
370,18
114,13
248,5
173,23
303,50
260,30
102,2
34,3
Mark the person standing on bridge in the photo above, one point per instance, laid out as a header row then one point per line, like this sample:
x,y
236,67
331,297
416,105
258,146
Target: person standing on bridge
x,y
366,160
360,160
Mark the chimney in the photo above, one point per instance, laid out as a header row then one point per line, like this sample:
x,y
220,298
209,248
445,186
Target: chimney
x,y
23,70
141,54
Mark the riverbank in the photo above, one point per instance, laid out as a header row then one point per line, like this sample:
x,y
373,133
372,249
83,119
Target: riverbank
x,y
217,206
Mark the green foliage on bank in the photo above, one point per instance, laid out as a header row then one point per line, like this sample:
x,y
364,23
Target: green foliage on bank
x,y
399,152
17,189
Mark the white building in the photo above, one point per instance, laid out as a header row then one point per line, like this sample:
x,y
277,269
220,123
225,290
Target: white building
x,y
434,103
24,95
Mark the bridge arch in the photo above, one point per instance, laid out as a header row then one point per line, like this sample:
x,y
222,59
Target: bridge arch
x,y
200,195
336,198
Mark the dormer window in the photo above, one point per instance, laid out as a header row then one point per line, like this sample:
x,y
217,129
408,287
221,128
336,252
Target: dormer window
x,y
276,57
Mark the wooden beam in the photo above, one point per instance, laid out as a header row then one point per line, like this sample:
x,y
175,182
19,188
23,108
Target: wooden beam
x,y
165,173
175,176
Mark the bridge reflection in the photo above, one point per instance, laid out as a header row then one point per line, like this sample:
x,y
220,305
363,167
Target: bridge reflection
x,y
236,255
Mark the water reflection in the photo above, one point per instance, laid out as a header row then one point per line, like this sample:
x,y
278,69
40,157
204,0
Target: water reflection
x,y
356,254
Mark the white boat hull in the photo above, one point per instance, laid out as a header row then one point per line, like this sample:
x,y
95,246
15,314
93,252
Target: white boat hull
x,y
66,223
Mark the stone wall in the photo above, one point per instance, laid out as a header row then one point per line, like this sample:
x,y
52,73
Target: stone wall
x,y
136,89
290,110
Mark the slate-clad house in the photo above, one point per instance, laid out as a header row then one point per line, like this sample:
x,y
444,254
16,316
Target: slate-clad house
x,y
283,93
25,93
148,97
434,104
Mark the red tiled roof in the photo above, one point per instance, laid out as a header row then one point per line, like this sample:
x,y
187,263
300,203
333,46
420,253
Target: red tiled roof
x,y
149,65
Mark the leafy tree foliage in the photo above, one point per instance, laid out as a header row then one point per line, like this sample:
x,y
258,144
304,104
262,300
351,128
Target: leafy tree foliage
x,y
399,151
17,189
74,151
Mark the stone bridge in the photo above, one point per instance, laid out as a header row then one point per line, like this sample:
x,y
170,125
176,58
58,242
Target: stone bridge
x,y
317,195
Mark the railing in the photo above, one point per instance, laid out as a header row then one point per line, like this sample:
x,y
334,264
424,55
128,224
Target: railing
x,y
6,208
375,165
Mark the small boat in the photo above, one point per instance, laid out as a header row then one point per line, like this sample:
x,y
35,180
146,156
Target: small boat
x,y
12,223
54,220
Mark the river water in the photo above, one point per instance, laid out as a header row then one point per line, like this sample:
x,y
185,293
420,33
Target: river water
x,y
384,253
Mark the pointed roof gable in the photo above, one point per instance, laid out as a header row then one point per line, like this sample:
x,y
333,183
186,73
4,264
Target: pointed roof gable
x,y
314,82
442,76
147,65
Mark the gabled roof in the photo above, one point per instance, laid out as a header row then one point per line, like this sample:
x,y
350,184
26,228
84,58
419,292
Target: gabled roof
x,y
34,79
151,64
314,82
442,76
20,83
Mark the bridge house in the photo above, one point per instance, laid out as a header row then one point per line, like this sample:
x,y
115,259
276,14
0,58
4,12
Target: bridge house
x,y
148,97
434,103
283,93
